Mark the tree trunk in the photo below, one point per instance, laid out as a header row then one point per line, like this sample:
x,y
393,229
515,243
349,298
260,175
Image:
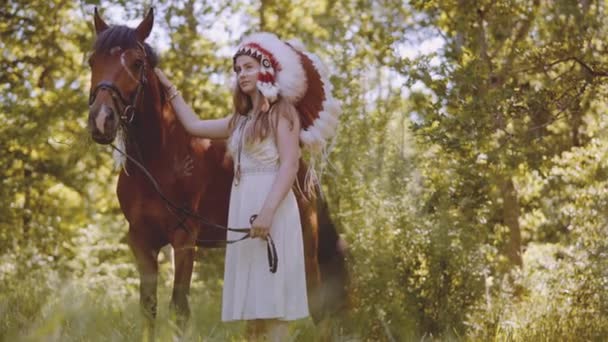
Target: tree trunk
x,y
262,17
510,214
26,219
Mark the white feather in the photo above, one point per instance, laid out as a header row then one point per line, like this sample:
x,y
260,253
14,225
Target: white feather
x,y
326,128
329,118
316,133
269,91
333,107
320,66
305,137
296,44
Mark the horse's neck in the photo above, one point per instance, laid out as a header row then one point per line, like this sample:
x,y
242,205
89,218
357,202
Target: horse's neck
x,y
156,134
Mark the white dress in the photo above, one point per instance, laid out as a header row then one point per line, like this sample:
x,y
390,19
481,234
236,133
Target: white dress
x,y
250,290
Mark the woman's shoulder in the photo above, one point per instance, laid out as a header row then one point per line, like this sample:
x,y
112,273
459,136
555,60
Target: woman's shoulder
x,y
284,110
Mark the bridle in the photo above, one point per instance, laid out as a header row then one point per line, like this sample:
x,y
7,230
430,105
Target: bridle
x,y
127,108
126,117
271,249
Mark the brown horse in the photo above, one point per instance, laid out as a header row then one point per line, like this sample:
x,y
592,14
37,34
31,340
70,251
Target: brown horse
x,y
126,101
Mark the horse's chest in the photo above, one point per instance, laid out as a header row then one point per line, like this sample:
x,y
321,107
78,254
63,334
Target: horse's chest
x,y
141,202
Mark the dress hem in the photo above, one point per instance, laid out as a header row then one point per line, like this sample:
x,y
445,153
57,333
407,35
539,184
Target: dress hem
x,y
295,318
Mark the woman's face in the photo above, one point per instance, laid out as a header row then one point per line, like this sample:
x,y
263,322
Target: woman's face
x,y
247,69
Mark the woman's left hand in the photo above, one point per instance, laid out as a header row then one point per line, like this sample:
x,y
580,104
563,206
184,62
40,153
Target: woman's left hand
x,y
260,227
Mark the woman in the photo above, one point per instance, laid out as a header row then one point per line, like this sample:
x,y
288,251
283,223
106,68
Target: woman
x,y
263,139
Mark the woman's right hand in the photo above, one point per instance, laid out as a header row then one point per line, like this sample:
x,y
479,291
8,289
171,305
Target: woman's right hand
x,y
163,79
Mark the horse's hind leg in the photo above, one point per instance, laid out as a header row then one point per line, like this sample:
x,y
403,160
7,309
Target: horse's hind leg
x,y
146,256
308,217
183,245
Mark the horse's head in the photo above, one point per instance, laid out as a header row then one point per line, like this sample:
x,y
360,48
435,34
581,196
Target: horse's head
x,y
120,63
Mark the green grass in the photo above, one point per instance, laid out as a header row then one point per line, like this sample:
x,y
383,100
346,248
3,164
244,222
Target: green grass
x,y
558,301
42,306
75,313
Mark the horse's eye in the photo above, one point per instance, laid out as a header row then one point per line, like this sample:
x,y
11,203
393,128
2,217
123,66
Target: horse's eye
x,y
138,64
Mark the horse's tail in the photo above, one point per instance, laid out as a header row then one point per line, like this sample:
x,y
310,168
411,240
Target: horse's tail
x,y
332,262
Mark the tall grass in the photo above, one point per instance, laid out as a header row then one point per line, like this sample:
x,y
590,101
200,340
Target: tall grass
x,y
43,306
556,300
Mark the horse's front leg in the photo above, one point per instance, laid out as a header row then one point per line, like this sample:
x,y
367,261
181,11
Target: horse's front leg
x,y
146,257
183,245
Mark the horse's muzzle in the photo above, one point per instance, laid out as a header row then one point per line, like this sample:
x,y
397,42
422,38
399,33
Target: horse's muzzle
x,y
102,139
103,123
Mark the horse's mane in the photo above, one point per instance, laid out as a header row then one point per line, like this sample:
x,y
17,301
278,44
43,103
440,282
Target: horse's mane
x,y
123,36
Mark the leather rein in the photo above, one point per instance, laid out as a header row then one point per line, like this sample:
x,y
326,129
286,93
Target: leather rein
x,y
128,110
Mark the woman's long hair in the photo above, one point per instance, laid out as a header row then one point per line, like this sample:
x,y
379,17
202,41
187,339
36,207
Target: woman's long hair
x,y
266,121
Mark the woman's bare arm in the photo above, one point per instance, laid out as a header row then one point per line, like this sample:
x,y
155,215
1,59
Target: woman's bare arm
x,y
288,137
213,129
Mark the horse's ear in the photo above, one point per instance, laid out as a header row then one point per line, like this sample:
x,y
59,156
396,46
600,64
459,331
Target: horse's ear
x,y
143,30
100,25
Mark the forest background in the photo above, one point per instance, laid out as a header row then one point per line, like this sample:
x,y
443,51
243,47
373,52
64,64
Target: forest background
x,y
469,176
